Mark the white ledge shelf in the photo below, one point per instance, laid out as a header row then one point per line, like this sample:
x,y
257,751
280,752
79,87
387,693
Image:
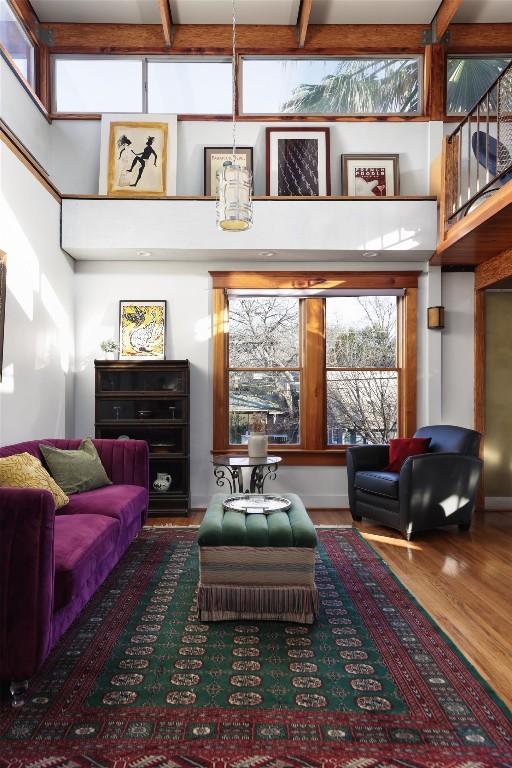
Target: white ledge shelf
x,y
183,228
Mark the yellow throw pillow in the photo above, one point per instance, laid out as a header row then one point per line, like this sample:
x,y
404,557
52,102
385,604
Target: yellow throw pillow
x,y
22,470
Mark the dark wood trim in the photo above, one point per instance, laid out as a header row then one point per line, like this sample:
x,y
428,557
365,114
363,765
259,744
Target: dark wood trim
x,y
43,79
407,354
167,25
28,160
303,21
313,379
242,118
292,129
28,18
479,384
434,81
444,16
316,280
264,198
24,83
493,270
220,381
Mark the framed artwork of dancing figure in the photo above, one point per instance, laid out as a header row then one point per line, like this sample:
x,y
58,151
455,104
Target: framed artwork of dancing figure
x,y
142,330
298,162
138,157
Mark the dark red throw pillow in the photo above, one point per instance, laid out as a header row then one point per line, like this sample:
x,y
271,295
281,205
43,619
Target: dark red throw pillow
x,y
403,447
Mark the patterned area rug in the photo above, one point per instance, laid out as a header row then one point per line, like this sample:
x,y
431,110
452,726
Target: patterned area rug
x,y
138,682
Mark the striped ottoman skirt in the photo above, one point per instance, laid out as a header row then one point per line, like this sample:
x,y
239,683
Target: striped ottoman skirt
x,y
260,568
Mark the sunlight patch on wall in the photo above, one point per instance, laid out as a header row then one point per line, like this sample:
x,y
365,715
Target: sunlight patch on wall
x,y
61,321
203,329
23,271
7,383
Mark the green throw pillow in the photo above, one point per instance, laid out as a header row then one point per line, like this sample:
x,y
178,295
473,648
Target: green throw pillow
x,y
76,471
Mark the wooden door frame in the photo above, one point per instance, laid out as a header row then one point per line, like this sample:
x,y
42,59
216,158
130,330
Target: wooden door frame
x,y
487,274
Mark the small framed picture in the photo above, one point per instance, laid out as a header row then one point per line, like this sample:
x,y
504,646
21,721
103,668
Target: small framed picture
x,y
214,158
367,175
298,162
142,330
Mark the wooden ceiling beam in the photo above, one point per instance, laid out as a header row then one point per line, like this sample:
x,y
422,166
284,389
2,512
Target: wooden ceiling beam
x,y
168,27
322,39
303,21
443,17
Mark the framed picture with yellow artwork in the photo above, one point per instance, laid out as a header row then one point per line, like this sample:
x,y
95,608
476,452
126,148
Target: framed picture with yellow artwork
x,y
142,326
138,156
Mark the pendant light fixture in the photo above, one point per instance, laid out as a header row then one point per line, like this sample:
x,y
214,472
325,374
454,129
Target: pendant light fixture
x,y
234,182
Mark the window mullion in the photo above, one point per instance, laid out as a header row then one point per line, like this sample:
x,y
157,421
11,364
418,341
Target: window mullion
x,y
313,388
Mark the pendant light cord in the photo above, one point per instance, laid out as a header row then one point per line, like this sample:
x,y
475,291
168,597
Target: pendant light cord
x,y
233,81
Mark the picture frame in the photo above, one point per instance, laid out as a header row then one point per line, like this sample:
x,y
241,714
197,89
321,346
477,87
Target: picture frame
x,y
370,175
142,329
298,161
3,291
214,157
138,156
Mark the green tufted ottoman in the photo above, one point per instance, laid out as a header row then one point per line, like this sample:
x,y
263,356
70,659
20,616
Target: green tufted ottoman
x,y
257,566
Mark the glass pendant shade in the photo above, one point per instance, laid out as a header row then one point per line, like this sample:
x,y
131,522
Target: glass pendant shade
x,y
234,208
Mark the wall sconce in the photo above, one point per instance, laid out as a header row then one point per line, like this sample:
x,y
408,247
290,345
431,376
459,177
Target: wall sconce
x,y
435,317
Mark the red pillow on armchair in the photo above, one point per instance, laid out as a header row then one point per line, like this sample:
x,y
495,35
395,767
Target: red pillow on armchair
x,y
403,447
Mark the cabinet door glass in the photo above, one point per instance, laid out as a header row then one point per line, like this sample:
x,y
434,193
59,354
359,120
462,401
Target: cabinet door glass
x,y
142,381
138,409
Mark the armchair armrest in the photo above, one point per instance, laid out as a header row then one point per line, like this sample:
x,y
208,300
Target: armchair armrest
x,y
363,457
125,461
27,518
437,488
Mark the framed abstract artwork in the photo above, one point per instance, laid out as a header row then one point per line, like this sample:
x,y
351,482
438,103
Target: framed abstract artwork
x,y
142,326
214,158
3,271
298,162
138,157
367,175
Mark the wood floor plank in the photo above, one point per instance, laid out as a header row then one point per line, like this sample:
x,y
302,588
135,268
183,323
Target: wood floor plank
x,y
463,580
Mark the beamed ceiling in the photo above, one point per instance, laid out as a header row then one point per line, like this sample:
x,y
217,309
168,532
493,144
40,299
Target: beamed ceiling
x,y
283,12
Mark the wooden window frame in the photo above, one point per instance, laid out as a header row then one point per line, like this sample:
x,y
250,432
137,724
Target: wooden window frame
x,y
313,449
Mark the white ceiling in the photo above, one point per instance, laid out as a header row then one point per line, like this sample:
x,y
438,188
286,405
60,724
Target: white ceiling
x,y
485,12
268,11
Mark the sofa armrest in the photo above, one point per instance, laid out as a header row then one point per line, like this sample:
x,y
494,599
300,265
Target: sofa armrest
x,y
27,518
126,461
437,488
363,457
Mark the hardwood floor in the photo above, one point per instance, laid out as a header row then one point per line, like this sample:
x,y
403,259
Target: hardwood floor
x,y
463,580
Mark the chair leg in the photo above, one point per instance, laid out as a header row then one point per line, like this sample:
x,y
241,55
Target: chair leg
x,y
357,518
18,690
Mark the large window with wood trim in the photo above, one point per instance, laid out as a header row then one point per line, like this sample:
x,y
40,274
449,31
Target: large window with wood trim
x,y
16,42
323,367
332,86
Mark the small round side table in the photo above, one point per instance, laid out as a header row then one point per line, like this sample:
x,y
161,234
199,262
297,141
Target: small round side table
x,y
228,470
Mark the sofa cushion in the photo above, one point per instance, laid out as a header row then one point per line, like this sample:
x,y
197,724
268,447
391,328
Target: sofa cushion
x,y
122,502
22,470
381,483
81,544
75,471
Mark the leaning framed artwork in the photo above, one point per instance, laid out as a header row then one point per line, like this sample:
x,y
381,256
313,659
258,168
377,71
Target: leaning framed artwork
x,y
298,162
215,157
3,270
138,157
142,328
370,175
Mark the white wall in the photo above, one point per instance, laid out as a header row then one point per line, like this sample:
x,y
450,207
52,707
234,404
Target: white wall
x,y
75,147
457,348
99,286
36,392
20,113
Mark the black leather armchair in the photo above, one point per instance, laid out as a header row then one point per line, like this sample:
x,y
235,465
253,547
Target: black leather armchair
x,y
431,490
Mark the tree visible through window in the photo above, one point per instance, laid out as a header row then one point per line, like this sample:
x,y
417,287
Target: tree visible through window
x,y
266,366
362,375
264,360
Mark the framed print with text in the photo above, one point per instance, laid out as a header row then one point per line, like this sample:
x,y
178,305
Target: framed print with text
x,y
367,175
214,158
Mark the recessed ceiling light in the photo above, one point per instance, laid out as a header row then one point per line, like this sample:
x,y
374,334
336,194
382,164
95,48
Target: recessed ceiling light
x,y
144,254
266,253
370,254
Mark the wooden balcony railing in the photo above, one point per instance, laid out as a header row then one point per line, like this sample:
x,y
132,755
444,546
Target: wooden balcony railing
x,y
477,155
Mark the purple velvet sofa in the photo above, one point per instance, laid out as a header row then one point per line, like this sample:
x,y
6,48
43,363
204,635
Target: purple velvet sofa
x,y
52,562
